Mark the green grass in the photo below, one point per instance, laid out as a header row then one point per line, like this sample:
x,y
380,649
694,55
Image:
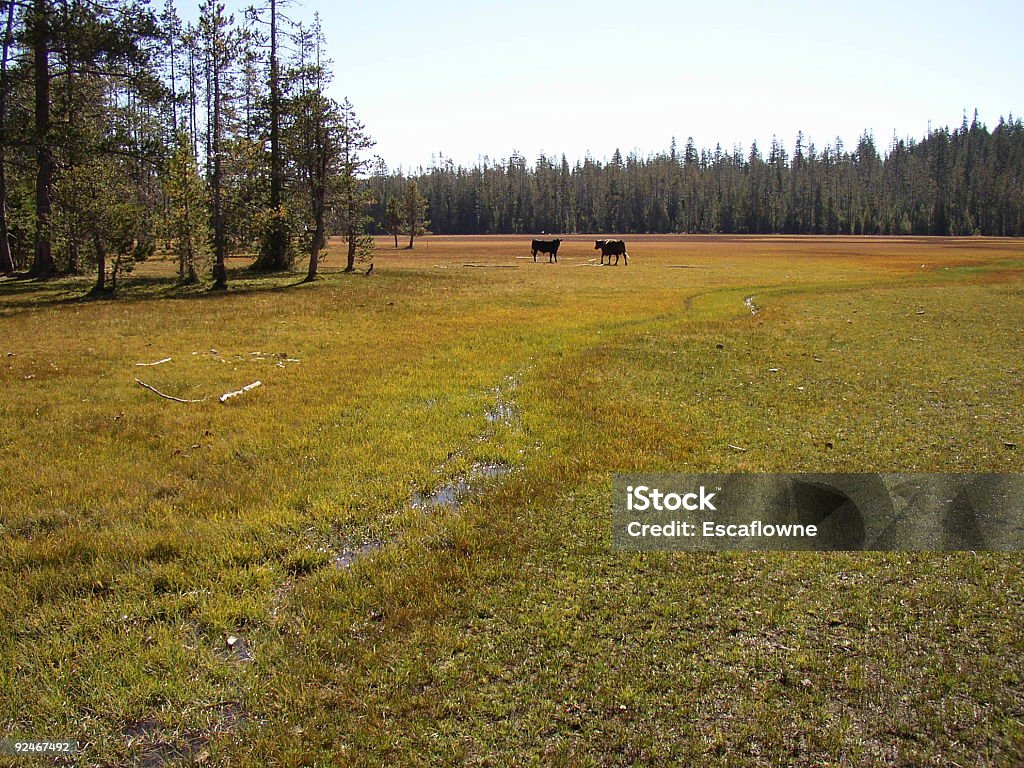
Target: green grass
x,y
138,534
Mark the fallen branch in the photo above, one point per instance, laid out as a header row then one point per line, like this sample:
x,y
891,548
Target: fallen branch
x,y
228,395
737,448
169,397
165,360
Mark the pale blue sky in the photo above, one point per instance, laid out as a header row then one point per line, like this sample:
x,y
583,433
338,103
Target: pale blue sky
x,y
473,79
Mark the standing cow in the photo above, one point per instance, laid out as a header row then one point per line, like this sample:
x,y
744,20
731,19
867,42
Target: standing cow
x,y
611,248
550,247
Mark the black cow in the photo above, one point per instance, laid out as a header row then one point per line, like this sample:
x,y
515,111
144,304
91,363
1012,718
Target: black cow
x,y
611,248
550,247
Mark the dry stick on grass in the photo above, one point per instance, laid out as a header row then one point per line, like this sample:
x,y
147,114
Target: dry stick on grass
x,y
169,397
223,398
228,395
158,362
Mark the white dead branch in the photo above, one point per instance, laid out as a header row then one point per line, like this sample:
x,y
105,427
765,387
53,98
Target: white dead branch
x,y
158,362
169,397
223,398
228,395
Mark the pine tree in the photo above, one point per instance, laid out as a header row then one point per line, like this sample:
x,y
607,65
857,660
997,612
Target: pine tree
x,y
6,260
312,139
414,211
93,88
275,251
40,22
220,46
393,218
189,223
354,197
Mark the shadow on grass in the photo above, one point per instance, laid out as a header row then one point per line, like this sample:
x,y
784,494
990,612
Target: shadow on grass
x,y
21,292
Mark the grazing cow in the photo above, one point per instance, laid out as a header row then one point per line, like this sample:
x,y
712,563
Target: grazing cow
x,y
550,247
611,248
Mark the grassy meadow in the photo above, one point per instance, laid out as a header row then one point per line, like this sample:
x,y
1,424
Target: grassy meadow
x,y
260,581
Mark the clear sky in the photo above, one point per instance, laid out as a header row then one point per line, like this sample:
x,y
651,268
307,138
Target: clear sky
x,y
468,79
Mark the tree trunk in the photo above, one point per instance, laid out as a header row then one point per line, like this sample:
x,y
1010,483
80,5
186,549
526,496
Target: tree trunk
x,y
277,256
116,271
318,241
6,261
395,233
220,271
101,265
193,125
314,262
43,265
188,270
353,240
173,55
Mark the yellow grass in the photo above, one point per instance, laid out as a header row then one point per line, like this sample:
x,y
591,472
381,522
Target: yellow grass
x,y
139,534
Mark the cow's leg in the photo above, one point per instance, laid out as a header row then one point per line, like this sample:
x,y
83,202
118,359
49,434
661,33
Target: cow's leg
x,y
534,257
625,257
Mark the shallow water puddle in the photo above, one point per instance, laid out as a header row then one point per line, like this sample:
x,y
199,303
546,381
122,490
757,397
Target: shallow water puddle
x,y
500,413
349,555
452,494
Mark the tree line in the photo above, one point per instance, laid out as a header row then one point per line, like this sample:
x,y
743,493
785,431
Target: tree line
x,y
124,130
961,182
